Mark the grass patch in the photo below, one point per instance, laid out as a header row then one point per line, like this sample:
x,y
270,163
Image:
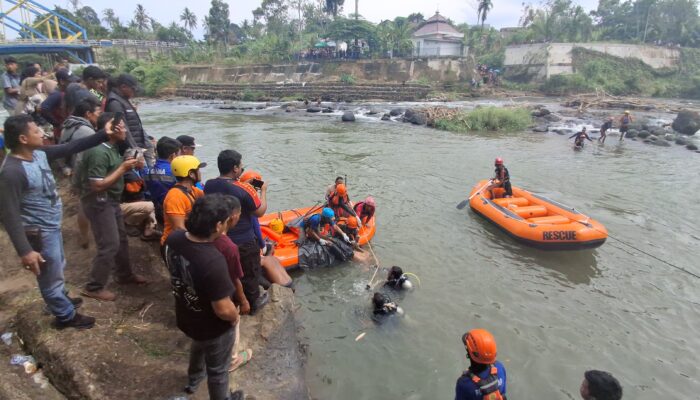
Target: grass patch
x,y
347,79
487,119
251,95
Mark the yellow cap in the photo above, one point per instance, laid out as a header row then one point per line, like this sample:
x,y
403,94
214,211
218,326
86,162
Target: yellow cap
x,y
182,165
277,225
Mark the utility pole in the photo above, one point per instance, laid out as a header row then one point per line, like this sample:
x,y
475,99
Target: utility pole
x,y
356,12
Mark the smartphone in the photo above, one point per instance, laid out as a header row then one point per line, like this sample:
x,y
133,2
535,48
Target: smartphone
x,y
118,117
257,183
130,153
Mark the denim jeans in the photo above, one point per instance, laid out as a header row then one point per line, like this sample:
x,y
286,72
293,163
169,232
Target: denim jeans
x,y
212,359
50,280
111,241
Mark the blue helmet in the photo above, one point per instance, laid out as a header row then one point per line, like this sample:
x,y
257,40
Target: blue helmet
x,y
327,213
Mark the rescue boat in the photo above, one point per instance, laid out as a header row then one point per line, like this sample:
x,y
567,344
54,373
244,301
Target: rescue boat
x,y
536,220
286,249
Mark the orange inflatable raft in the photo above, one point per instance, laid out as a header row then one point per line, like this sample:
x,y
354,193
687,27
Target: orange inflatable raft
x,y
286,250
537,221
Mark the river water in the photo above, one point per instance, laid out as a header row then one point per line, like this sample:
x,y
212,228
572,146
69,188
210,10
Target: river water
x,y
554,314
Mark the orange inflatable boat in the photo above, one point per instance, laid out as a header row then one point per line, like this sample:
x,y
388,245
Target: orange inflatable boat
x,y
286,250
537,221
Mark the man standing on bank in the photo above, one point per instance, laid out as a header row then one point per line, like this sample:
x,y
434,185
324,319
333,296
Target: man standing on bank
x,y
102,183
243,235
31,211
203,290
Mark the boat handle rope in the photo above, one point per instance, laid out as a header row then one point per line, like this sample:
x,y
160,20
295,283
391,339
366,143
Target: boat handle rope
x,y
621,241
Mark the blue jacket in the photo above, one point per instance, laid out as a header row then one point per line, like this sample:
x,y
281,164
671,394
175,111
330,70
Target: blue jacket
x,y
466,389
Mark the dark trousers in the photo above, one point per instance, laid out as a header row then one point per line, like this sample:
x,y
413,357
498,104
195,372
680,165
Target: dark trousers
x,y
111,241
211,359
252,271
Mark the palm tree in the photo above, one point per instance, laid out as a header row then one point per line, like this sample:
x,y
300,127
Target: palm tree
x,y
109,17
189,20
141,19
482,11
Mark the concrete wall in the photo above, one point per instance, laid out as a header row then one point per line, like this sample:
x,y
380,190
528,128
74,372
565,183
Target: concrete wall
x,y
132,52
387,70
542,60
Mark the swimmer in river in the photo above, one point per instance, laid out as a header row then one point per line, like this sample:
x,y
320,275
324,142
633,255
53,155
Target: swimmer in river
x,y
383,306
580,136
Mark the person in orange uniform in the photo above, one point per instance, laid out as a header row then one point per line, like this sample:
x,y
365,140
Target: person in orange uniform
x,y
181,197
501,179
339,202
486,377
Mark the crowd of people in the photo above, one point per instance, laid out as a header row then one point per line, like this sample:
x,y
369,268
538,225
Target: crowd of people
x,y
209,234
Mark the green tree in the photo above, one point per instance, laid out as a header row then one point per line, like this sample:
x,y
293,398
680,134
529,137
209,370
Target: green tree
x,y
483,9
109,16
141,19
333,7
217,23
189,20
416,18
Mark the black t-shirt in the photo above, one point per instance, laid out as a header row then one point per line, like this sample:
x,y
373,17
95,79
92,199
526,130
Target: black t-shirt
x,y
198,275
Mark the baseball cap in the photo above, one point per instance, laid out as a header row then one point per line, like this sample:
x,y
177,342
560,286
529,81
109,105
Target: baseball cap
x,y
187,140
128,80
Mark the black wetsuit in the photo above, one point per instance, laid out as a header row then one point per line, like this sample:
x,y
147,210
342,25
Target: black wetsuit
x,y
578,142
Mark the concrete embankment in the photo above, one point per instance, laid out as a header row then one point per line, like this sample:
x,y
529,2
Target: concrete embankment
x,y
135,351
329,91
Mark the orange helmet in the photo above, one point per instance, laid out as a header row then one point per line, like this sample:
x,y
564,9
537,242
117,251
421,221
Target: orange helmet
x,y
352,222
250,175
341,189
480,345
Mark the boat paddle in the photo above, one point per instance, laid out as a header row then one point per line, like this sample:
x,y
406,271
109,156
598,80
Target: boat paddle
x,y
297,221
464,202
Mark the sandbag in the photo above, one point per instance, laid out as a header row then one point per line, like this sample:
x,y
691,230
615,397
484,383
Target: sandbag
x,y
314,255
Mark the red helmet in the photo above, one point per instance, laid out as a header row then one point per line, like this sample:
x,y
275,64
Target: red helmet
x,y
499,161
480,345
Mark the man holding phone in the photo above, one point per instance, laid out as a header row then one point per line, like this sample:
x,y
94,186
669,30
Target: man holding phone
x,y
102,184
31,209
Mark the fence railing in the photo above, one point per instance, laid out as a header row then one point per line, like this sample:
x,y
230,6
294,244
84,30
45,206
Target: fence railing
x,y
97,43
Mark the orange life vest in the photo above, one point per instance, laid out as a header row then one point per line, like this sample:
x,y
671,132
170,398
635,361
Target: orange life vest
x,y
487,386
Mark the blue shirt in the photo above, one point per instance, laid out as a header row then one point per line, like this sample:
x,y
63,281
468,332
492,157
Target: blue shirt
x,y
314,222
244,231
10,81
159,179
467,390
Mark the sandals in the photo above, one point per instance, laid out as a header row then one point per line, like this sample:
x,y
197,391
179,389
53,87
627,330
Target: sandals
x,y
245,355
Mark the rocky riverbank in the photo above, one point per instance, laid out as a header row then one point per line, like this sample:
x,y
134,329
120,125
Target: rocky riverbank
x,y
135,351
656,122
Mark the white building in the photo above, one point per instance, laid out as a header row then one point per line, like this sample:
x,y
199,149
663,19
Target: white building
x,y
437,38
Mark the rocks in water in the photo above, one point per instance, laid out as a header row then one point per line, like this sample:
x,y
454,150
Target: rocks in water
x,y
643,134
327,110
632,133
670,137
373,111
552,118
687,122
314,109
658,131
396,112
682,141
386,117
408,115
540,112
419,119
348,116
662,143
691,146
540,129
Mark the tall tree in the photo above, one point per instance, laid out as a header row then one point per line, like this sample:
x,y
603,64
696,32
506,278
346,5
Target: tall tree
x,y
74,4
189,20
483,10
110,17
218,23
141,19
333,7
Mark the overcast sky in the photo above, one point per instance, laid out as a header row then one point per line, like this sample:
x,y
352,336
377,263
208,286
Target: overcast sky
x,y
504,13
